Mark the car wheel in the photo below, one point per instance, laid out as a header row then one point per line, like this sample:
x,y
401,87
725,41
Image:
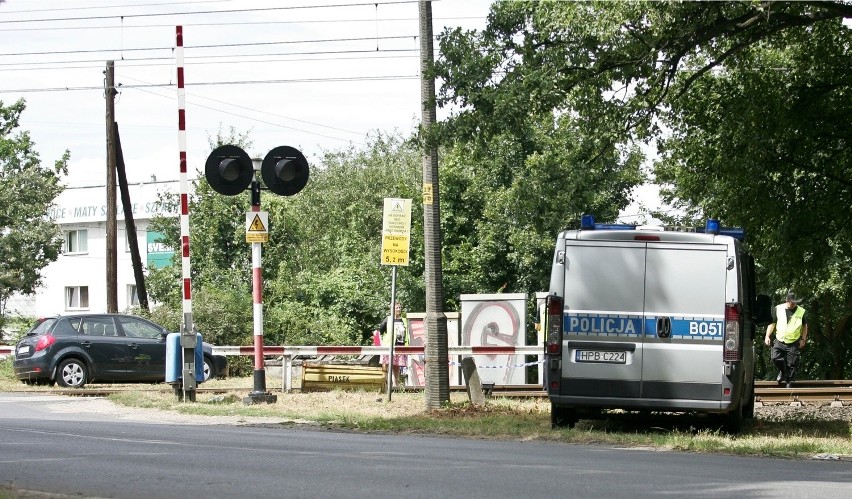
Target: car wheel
x,y
209,370
72,373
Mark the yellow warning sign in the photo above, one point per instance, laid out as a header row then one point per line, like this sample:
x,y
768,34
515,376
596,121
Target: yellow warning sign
x,y
396,231
257,227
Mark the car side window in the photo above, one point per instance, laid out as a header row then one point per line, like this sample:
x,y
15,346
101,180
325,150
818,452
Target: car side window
x,y
137,328
98,326
66,327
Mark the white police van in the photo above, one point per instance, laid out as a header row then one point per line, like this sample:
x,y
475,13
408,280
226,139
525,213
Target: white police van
x,y
650,319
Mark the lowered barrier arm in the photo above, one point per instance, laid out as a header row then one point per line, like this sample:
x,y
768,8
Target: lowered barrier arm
x,y
288,352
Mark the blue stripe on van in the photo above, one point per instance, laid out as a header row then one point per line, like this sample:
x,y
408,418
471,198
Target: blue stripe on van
x,y
603,324
696,328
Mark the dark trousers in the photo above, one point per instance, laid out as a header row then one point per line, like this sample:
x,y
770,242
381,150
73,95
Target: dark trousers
x,y
785,356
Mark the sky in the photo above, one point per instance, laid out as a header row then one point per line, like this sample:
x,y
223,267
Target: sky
x,y
318,75
312,74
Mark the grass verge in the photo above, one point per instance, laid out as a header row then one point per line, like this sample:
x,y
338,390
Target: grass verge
x,y
791,436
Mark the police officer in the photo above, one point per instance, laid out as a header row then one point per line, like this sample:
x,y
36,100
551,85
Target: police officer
x,y
791,335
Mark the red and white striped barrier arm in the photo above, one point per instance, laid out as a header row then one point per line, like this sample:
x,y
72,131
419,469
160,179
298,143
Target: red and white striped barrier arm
x,y
6,350
378,350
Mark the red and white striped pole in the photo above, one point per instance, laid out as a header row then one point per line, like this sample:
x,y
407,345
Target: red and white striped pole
x,y
259,393
187,336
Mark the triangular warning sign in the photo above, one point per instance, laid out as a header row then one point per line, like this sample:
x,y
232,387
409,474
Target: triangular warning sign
x,y
257,225
397,206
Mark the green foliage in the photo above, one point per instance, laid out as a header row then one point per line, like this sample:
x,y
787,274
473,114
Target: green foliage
x,y
749,103
322,281
763,145
504,202
19,325
325,278
29,239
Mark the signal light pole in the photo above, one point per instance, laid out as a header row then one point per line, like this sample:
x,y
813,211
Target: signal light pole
x,y
259,393
285,171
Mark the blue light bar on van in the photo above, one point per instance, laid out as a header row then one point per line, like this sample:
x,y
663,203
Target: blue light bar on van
x,y
712,227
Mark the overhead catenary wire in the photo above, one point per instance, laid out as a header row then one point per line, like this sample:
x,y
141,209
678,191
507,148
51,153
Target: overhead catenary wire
x,y
258,120
211,83
203,12
94,7
235,23
237,59
209,46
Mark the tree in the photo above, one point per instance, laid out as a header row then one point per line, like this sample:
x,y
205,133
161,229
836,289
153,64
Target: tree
x,y
326,283
29,239
781,168
323,283
750,101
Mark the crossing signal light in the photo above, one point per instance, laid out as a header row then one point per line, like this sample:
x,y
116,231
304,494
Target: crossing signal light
x,y
285,170
228,170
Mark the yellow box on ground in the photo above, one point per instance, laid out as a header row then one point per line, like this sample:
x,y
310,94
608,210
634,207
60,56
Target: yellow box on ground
x,y
325,377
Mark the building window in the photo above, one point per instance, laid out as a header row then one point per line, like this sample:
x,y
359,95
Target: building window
x,y
76,297
132,296
76,241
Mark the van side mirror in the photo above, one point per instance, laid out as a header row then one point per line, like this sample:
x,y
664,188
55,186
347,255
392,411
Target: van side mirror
x,y
763,312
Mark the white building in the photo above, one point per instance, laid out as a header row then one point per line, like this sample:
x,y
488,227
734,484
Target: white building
x,y
76,281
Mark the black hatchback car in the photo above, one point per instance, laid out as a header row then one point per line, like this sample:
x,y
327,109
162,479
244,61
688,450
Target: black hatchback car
x,y
72,350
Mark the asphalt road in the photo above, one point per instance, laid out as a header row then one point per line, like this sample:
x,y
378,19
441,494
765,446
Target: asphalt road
x,y
46,448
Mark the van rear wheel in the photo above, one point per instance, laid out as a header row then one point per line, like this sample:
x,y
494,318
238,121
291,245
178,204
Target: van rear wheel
x,y
562,416
733,421
748,411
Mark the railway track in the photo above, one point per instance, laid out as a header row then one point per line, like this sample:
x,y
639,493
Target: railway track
x,y
766,392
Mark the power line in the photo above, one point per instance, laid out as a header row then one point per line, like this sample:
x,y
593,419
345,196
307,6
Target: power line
x,y
279,125
252,109
235,23
93,7
216,83
209,46
347,55
203,12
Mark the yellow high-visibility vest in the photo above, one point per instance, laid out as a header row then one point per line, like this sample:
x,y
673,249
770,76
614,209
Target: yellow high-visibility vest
x,y
788,331
388,334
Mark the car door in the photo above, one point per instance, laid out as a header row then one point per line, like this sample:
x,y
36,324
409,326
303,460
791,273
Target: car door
x,y
98,337
684,313
603,318
146,346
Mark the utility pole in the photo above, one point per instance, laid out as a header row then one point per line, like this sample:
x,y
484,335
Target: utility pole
x,y
111,254
437,369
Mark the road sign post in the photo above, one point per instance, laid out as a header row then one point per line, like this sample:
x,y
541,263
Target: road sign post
x,y
396,235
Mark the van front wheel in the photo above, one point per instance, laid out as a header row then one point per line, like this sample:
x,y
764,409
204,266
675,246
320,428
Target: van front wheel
x,y
562,416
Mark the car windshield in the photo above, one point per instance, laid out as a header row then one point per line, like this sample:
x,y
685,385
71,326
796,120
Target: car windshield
x,y
41,327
